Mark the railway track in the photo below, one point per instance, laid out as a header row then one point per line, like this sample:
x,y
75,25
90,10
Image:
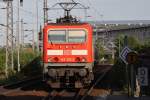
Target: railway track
x,y
18,86
25,88
88,92
23,82
79,94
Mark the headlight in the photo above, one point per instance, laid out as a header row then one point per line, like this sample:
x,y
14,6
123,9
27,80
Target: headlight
x,y
49,59
84,59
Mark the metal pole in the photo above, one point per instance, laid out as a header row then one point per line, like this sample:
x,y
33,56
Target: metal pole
x,y
127,76
33,46
45,12
9,37
12,36
96,32
37,21
119,45
132,80
33,30
18,38
7,47
22,33
85,15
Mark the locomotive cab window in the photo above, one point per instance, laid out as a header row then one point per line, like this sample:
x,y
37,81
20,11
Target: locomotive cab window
x,y
71,36
76,36
57,36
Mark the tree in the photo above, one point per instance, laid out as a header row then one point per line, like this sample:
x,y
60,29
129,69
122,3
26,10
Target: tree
x,y
2,59
118,72
133,43
119,43
99,51
147,42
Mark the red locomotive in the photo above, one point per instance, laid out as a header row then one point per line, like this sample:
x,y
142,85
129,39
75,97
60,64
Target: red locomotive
x,y
68,53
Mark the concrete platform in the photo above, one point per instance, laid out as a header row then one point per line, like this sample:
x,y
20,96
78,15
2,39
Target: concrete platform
x,y
124,97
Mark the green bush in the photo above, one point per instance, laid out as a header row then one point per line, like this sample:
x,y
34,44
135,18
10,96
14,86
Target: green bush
x,y
2,59
118,72
29,63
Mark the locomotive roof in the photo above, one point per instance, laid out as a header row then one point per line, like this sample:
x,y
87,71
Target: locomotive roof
x,y
67,24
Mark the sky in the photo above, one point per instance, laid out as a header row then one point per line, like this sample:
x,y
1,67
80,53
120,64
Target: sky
x,y
99,10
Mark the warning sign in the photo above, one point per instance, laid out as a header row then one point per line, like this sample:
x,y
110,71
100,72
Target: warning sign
x,y
124,53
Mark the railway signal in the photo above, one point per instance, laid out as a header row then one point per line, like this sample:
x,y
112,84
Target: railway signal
x,y
131,57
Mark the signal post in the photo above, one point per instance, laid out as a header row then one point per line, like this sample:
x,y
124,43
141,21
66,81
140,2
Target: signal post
x,y
132,59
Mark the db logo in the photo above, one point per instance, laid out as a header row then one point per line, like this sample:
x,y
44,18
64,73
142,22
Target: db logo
x,y
67,52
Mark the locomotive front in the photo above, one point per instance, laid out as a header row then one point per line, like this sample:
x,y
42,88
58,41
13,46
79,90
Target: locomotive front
x,y
68,55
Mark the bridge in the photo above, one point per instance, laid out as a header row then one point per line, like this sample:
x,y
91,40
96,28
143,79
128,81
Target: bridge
x,y
108,33
141,32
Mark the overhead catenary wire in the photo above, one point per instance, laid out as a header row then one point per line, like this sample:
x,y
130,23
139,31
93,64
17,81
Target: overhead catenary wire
x,y
95,10
27,12
101,16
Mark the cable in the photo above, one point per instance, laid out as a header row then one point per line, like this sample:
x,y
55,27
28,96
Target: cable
x,y
94,8
31,13
101,15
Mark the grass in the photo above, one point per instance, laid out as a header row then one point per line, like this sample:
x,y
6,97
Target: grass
x,y
15,77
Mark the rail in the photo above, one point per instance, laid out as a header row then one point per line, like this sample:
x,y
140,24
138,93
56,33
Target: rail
x,y
92,87
22,82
